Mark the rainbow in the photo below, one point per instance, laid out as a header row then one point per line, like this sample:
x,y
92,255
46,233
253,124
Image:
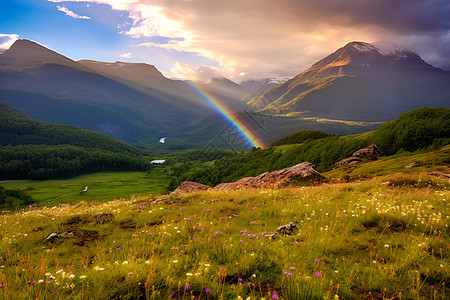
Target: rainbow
x,y
231,117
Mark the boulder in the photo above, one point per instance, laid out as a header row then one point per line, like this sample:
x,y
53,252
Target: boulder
x,y
368,153
190,187
347,161
301,172
287,229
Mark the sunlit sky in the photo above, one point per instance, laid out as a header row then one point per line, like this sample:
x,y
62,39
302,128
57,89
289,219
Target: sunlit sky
x,y
238,39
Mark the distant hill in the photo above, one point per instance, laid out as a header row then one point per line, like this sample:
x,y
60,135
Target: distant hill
x,y
31,149
300,137
358,82
18,129
424,128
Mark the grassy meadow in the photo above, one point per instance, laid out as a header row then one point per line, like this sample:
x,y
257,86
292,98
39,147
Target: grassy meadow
x,y
101,187
383,238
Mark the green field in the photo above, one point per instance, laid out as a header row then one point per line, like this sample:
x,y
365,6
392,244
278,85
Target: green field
x,y
101,187
384,238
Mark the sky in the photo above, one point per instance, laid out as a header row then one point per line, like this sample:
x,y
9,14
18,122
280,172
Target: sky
x,y
237,39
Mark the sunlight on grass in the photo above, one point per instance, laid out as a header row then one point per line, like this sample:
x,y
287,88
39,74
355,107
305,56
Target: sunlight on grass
x,y
362,240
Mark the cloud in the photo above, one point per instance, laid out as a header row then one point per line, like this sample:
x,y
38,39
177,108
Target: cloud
x,y
126,55
186,71
266,38
70,13
6,41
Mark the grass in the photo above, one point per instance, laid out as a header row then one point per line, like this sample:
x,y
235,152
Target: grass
x,y
357,240
101,187
436,160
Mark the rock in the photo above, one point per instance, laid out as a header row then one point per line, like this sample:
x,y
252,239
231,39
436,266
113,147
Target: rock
x,y
301,172
190,187
368,153
411,164
287,229
244,183
347,162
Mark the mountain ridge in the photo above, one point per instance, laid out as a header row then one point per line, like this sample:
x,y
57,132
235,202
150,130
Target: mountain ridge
x,y
387,83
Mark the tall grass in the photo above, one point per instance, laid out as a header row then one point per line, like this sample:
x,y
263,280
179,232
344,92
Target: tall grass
x,y
359,240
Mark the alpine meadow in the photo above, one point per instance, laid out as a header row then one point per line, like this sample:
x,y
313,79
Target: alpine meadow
x,y
224,150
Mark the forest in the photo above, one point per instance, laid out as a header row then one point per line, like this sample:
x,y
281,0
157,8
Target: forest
x,y
421,129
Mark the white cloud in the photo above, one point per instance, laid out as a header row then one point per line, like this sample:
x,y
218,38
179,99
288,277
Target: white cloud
x,y
6,41
70,13
126,55
185,71
266,38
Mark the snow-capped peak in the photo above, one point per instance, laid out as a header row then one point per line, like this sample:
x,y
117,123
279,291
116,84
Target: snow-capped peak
x,y
363,47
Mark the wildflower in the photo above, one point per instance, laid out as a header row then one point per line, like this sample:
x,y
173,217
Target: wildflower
x,y
186,288
125,262
386,246
1,286
432,286
292,268
316,260
274,296
33,282
206,290
240,279
289,274
82,276
48,282
41,281
317,273
54,293
175,261
254,275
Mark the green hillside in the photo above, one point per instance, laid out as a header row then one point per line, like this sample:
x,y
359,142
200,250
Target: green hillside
x,y
361,240
18,129
420,129
38,150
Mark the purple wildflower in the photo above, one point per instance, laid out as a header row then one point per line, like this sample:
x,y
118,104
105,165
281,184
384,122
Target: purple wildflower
x,y
317,273
33,282
240,279
316,260
206,290
186,288
274,296
292,268
432,286
289,274
54,293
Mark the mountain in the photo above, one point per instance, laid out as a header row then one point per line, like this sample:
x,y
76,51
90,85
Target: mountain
x,y
26,55
117,103
358,82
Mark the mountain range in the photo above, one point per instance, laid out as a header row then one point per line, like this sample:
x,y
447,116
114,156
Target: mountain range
x,y
358,82
135,103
